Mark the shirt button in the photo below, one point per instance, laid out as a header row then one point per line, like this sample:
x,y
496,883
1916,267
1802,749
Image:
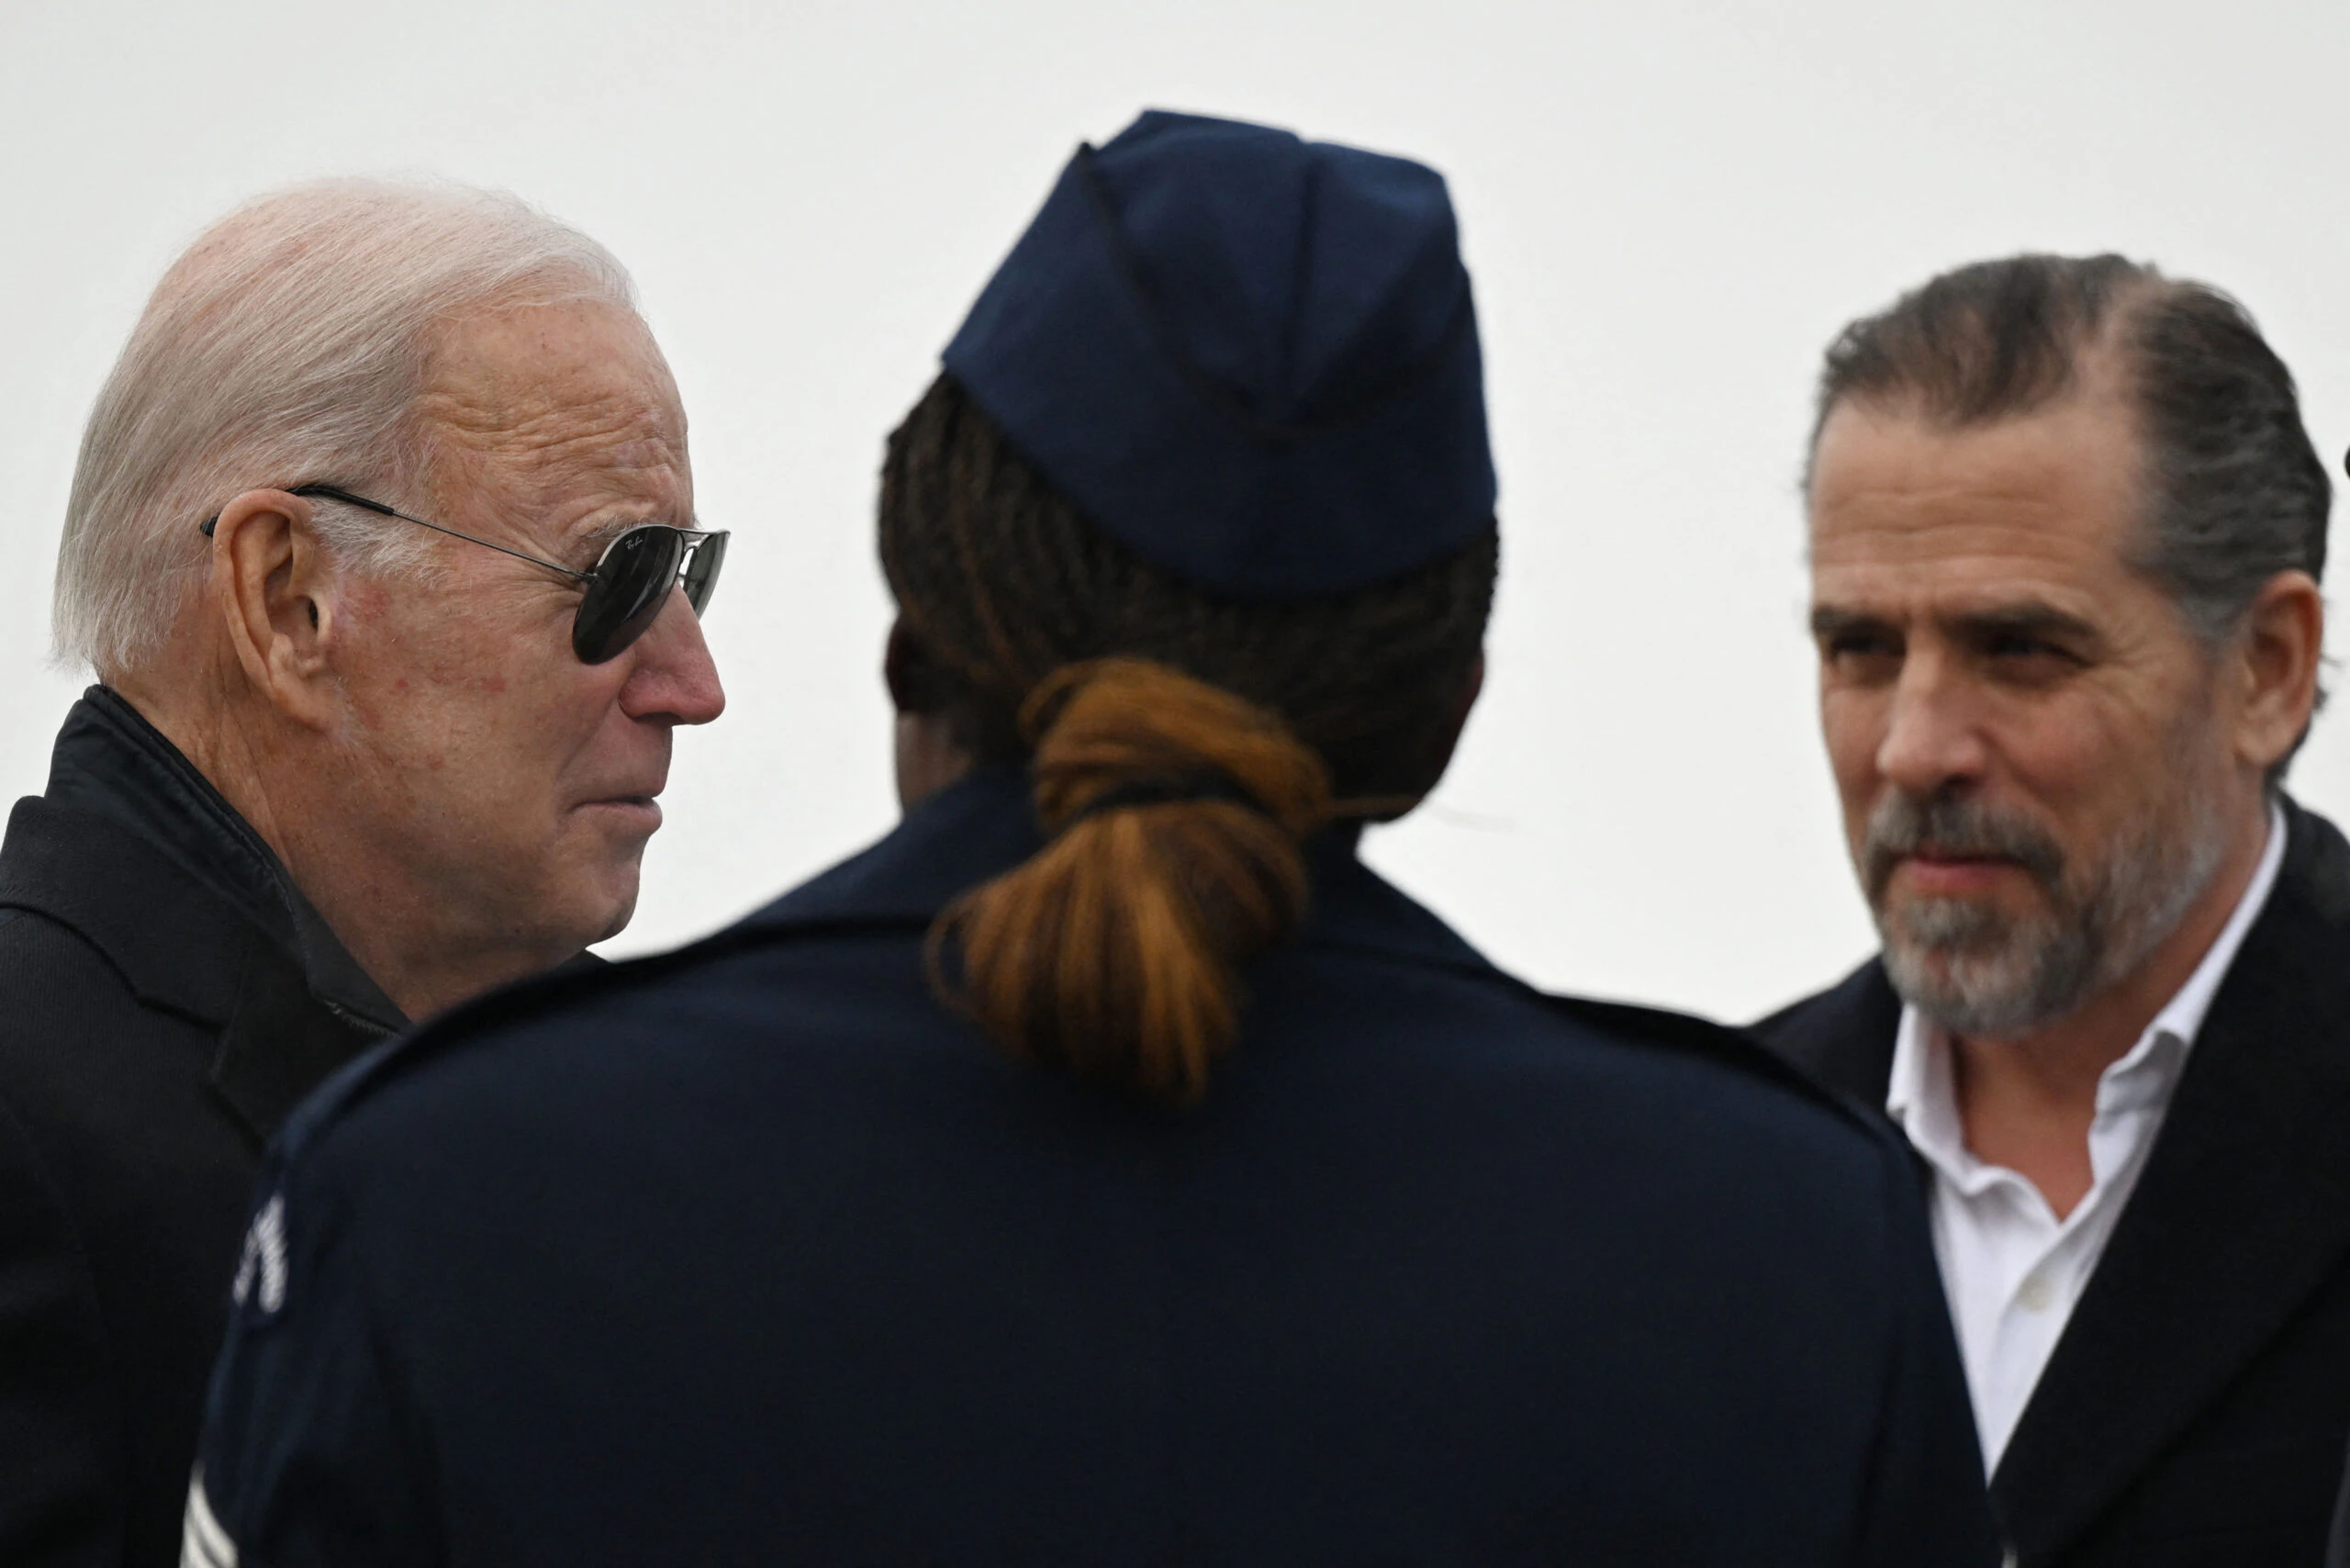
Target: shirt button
x,y
2036,1294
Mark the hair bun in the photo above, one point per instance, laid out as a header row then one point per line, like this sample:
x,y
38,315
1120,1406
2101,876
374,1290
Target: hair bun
x,y
1132,727
1174,811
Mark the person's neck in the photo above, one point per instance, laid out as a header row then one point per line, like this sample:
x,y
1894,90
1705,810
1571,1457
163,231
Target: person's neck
x,y
402,937
2027,1102
927,760
400,932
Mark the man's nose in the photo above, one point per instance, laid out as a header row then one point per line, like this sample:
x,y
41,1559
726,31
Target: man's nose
x,y
1933,737
674,677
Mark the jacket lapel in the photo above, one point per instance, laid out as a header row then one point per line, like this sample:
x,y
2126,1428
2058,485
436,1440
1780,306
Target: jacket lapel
x,y
177,945
183,948
2242,1209
1842,1036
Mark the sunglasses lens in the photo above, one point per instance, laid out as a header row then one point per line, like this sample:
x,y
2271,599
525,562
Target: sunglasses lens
x,y
632,581
701,572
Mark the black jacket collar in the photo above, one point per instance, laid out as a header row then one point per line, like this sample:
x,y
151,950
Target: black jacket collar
x,y
135,850
1844,1035
111,763
984,825
2244,1206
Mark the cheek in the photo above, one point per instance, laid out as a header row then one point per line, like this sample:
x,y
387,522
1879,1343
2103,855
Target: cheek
x,y
460,709
2074,752
530,730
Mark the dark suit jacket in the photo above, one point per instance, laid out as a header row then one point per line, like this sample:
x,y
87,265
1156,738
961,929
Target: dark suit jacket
x,y
165,997
755,1254
2196,1409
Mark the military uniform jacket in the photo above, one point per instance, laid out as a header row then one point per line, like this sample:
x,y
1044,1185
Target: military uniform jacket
x,y
2193,1414
165,999
755,1254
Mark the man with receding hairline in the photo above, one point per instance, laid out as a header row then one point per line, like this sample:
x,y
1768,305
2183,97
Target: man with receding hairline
x,y
372,549
2066,529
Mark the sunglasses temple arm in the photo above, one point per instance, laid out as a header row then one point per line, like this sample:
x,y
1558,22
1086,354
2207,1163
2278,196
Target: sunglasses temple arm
x,y
364,504
535,560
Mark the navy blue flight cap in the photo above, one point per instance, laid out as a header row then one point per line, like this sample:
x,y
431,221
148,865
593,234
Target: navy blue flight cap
x,y
1249,358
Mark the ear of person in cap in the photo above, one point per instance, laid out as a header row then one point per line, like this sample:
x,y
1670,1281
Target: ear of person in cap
x,y
1250,358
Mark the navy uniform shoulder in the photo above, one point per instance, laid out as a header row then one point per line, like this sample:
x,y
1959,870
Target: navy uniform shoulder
x,y
565,989
1737,1051
567,985
575,987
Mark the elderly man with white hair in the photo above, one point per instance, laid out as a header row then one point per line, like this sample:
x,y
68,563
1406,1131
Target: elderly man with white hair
x,y
373,547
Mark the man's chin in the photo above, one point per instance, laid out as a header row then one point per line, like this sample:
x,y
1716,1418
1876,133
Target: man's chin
x,y
620,916
594,902
1979,993
1979,925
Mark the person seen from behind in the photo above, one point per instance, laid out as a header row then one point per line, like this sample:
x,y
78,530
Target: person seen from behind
x,y
1107,1166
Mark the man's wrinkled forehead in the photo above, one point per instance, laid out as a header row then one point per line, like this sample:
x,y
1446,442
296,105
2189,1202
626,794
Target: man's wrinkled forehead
x,y
548,397
1892,483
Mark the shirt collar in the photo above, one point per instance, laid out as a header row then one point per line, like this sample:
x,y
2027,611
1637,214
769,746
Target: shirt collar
x,y
1922,1099
1922,1095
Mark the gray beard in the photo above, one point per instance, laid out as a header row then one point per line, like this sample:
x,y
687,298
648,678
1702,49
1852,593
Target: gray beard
x,y
1979,971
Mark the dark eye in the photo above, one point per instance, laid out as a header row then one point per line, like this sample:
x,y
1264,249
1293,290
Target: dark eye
x,y
1860,651
2026,654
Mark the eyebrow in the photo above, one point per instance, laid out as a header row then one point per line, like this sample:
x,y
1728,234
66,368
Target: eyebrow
x,y
1829,620
2029,620
2022,620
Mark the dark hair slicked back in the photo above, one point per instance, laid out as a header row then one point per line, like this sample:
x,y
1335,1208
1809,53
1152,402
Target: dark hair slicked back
x,y
1981,342
2235,492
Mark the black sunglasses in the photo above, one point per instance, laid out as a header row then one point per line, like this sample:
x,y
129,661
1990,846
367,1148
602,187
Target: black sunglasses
x,y
626,589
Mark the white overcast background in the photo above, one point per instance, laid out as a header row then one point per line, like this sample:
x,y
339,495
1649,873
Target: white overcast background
x,y
1668,210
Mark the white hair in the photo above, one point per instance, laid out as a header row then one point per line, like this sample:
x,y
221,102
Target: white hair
x,y
287,346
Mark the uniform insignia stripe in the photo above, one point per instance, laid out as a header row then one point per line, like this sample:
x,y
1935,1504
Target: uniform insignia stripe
x,y
260,1269
203,1543
271,1228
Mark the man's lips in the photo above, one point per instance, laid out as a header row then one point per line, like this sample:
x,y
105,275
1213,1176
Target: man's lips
x,y
642,806
1941,873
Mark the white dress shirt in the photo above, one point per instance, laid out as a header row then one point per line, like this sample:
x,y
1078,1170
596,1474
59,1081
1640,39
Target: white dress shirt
x,y
2011,1269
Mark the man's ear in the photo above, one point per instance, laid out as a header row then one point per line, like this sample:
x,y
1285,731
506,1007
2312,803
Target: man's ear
x,y
2283,641
277,591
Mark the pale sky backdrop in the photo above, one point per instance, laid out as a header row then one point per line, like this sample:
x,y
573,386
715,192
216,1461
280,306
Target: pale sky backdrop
x,y
1668,209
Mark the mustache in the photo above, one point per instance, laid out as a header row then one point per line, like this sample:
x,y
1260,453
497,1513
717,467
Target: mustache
x,y
1903,825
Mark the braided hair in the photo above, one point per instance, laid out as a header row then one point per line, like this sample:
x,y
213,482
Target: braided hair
x,y
1181,746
